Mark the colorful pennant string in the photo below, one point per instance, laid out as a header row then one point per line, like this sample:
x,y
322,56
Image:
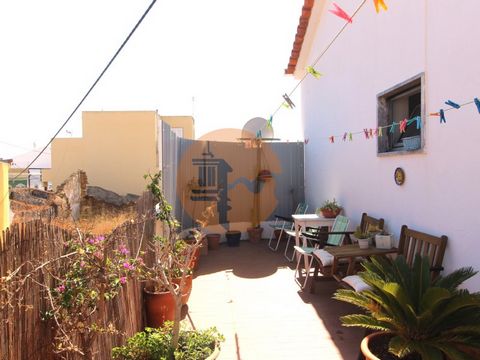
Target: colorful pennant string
x,y
340,13
379,4
311,70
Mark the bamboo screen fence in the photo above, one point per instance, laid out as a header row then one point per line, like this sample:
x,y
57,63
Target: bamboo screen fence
x,y
23,333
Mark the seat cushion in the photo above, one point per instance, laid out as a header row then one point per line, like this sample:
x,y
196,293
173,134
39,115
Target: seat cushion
x,y
304,250
324,256
356,283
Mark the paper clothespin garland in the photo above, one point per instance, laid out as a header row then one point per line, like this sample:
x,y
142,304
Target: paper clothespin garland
x,y
288,101
269,122
392,127
403,125
418,119
340,13
332,139
452,104
365,132
442,116
380,4
311,70
477,102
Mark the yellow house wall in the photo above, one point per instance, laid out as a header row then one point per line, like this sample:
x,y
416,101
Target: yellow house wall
x,y
185,122
116,150
4,198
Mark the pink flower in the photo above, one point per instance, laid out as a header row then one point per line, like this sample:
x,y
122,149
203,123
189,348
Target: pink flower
x,y
82,264
128,266
123,280
123,249
61,288
91,241
100,238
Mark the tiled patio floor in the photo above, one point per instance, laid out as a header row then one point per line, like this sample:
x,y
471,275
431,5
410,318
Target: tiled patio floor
x,y
249,294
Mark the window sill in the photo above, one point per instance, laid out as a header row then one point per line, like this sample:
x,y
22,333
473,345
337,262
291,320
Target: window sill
x,y
400,152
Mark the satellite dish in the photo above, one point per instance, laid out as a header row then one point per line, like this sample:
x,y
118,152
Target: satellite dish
x,y
256,125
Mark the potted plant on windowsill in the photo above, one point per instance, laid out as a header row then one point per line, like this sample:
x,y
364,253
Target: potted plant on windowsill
x,y
330,209
415,317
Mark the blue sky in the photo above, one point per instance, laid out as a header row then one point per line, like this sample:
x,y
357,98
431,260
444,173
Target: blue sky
x,y
228,55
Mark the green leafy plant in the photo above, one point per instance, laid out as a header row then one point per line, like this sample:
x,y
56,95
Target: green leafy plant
x,y
360,234
155,344
173,255
330,205
428,317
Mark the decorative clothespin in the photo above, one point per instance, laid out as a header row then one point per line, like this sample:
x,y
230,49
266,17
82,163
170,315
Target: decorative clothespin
x,y
365,131
418,119
344,137
477,102
259,133
341,13
311,70
306,141
378,4
350,137
269,122
435,114
442,116
452,104
332,139
392,127
370,132
403,125
285,105
380,132
288,101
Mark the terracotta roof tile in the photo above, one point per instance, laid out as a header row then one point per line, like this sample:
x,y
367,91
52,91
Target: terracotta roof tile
x,y
299,37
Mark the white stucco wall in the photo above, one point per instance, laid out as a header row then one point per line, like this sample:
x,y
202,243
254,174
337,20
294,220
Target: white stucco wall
x,y
441,194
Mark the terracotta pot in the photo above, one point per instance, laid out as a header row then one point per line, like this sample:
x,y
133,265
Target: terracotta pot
x,y
213,241
330,214
159,307
233,237
187,288
255,234
364,345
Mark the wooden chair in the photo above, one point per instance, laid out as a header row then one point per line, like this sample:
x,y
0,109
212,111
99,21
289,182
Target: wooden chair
x,y
323,260
411,243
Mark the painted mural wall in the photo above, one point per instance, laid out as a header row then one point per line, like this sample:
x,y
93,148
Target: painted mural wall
x,y
436,38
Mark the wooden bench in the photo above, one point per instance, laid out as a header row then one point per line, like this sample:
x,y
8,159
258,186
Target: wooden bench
x,y
411,243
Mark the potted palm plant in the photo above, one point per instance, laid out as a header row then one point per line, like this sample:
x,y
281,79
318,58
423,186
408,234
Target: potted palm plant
x,y
414,316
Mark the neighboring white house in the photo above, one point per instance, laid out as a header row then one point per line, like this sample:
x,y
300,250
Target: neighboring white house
x,y
403,62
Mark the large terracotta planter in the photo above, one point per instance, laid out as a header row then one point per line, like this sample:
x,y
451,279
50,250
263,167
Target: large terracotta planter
x,y
187,288
254,234
159,307
213,241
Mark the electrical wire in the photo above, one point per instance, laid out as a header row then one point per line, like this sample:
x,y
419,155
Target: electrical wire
x,y
92,86
86,94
